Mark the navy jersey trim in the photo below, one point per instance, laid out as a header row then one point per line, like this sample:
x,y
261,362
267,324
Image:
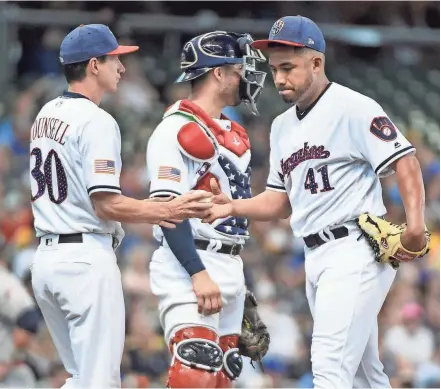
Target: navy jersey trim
x,y
275,186
164,191
103,187
74,95
302,114
385,162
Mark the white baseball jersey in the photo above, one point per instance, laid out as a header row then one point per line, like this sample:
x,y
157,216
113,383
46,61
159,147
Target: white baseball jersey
x,y
329,159
75,152
172,173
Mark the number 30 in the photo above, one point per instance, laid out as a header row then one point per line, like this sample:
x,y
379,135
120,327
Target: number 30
x,y
44,178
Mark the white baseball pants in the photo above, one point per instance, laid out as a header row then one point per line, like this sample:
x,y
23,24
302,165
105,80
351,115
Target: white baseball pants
x,y
178,303
78,288
346,289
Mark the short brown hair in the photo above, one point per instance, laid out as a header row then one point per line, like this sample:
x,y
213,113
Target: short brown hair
x,y
77,71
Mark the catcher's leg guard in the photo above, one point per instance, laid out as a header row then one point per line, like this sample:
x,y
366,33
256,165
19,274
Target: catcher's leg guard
x,y
232,361
197,358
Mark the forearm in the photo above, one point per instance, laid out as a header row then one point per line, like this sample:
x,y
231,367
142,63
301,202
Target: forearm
x,y
267,206
411,187
127,210
181,243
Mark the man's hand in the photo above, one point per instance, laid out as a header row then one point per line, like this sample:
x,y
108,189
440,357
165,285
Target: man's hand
x,y
414,240
195,204
219,197
207,292
223,205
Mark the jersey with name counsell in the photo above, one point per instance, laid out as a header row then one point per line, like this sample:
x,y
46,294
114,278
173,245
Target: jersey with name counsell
x,y
75,151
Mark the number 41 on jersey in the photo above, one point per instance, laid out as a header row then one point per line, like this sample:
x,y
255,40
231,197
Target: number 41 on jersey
x,y
311,183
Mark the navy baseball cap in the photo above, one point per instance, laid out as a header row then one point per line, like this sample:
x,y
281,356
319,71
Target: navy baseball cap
x,y
296,31
88,41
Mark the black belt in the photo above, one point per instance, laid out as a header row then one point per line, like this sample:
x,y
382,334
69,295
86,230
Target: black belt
x,y
315,240
234,249
76,238
70,238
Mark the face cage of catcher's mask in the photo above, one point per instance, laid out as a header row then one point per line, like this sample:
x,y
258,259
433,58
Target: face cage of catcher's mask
x,y
251,83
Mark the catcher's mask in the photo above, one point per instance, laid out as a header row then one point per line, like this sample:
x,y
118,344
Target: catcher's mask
x,y
205,52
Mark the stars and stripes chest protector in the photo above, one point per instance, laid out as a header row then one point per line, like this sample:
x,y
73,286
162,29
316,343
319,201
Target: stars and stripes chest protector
x,y
232,168
240,188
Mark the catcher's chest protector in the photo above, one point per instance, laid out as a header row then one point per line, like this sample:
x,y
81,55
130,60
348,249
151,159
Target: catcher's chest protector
x,y
222,151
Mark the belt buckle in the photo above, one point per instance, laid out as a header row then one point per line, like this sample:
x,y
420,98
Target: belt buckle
x,y
235,249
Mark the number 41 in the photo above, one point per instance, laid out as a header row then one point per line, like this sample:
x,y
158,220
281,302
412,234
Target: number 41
x,y
312,185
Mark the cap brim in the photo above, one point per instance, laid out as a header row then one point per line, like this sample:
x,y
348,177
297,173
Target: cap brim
x,y
120,50
264,43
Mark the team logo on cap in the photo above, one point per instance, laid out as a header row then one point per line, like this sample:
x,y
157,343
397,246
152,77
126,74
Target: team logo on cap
x,y
277,27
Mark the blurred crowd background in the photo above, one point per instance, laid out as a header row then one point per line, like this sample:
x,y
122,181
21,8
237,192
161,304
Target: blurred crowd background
x,y
386,50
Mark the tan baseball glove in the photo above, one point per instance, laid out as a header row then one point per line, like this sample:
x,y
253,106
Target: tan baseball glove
x,y
385,239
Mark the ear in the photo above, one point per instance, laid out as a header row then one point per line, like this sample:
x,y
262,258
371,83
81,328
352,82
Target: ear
x,y
93,65
317,63
218,73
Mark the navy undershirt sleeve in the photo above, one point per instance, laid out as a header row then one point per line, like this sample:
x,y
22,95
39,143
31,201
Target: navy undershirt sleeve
x,y
181,243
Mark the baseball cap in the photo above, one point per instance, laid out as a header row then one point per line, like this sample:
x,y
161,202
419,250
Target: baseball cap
x,y
296,31
88,41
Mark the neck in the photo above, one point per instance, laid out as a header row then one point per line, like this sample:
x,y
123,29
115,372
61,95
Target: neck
x,y
92,92
210,104
308,100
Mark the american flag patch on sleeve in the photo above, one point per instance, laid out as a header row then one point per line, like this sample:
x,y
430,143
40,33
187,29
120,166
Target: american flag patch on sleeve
x,y
169,173
105,166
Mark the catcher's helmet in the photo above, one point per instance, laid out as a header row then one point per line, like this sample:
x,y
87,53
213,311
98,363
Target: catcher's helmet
x,y
205,52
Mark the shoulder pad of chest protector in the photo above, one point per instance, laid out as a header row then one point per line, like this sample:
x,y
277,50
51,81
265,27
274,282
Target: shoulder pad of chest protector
x,y
195,140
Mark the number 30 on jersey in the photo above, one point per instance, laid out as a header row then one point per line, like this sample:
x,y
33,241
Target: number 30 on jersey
x,y
43,177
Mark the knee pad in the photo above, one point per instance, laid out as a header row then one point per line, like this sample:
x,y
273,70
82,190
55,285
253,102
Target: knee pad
x,y
197,359
231,362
